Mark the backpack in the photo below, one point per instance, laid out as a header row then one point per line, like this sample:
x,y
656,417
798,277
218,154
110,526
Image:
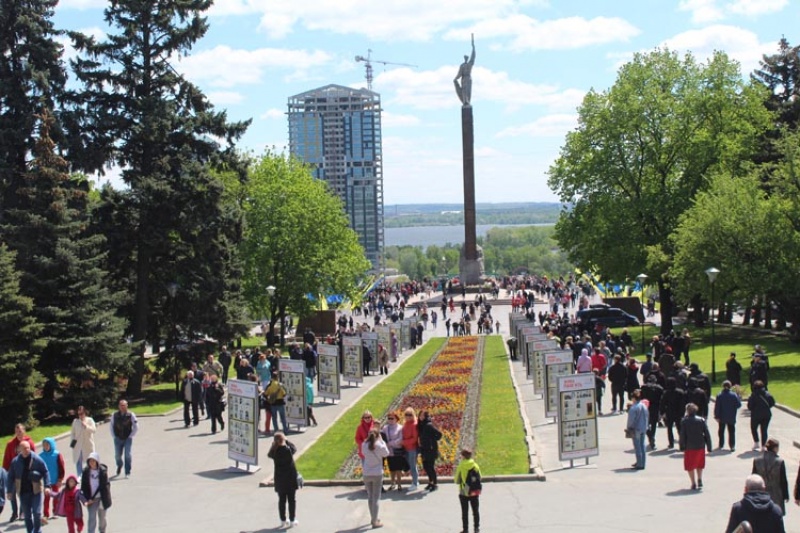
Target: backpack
x,y
474,485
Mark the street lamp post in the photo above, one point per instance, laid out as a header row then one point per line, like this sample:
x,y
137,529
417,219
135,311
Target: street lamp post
x,y
270,333
712,277
172,291
641,278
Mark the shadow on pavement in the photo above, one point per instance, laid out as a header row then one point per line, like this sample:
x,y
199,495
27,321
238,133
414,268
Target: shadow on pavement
x,y
222,474
682,492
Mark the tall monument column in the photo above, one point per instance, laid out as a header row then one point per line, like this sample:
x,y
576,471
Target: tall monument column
x,y
471,260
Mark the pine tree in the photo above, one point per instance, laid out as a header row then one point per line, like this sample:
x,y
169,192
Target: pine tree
x,y
62,267
137,112
780,74
31,75
20,343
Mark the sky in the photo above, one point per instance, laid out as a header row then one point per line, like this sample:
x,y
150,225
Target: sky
x,y
535,61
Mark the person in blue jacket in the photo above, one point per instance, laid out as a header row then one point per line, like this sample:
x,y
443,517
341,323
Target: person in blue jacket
x,y
27,478
309,401
638,418
725,409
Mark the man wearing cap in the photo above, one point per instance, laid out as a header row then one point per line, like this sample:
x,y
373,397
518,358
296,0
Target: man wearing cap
x,y
725,409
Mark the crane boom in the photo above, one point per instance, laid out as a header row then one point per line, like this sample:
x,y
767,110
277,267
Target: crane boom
x,y
368,61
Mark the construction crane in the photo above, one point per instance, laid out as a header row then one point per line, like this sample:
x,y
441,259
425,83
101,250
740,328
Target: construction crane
x,y
368,61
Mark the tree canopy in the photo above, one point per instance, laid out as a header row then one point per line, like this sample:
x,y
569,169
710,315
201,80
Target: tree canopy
x,y
642,150
296,239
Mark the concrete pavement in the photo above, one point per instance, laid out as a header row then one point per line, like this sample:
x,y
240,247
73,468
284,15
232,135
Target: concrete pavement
x,y
179,483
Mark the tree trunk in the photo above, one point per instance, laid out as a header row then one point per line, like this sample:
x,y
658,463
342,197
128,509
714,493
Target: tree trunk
x,y
665,296
697,310
757,313
767,314
134,388
747,313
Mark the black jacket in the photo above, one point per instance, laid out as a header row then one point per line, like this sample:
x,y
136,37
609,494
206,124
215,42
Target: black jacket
x,y
104,488
214,395
695,434
758,509
760,404
285,471
429,436
197,390
617,375
673,404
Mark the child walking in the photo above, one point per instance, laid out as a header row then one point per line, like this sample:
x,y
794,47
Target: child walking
x,y
68,504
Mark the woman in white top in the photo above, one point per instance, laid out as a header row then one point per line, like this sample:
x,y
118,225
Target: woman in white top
x,y
374,450
82,438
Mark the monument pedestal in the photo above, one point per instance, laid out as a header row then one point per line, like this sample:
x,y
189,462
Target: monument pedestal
x,y
471,270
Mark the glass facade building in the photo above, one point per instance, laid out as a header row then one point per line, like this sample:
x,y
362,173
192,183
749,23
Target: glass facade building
x,y
337,131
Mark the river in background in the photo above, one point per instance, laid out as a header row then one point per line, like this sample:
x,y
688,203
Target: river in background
x,y
438,235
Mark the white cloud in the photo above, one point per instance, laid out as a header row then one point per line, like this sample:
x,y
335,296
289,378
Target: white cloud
x,y
415,20
223,66
219,98
397,120
704,11
433,89
756,7
740,44
558,34
556,125
273,114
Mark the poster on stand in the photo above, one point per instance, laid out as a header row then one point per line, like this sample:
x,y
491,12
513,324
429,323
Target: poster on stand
x,y
353,365
369,340
293,377
556,365
329,385
385,338
527,334
243,421
577,417
409,329
539,347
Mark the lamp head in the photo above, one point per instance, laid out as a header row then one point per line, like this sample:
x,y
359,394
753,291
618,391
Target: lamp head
x,y
271,290
712,274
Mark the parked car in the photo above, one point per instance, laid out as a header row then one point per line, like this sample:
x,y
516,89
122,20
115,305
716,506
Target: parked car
x,y
608,316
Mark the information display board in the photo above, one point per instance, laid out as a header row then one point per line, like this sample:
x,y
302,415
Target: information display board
x,y
556,365
369,339
293,377
409,329
328,384
353,365
243,421
528,334
577,417
538,348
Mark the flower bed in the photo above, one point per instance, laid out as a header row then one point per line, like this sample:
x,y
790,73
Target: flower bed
x,y
445,390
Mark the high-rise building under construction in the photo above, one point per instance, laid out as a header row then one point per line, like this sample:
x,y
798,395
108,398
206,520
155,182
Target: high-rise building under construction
x,y
337,131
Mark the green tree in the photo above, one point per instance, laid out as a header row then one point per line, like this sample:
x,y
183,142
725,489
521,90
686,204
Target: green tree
x,y
641,152
296,239
62,267
31,76
20,343
136,111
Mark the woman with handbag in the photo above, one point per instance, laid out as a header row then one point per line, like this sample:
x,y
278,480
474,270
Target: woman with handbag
x,y
285,477
82,437
397,456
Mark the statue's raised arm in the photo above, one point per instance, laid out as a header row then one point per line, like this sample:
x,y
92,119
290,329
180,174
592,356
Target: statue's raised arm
x,y
464,90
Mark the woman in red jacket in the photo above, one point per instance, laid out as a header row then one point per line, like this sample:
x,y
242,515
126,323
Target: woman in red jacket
x,y
411,445
362,432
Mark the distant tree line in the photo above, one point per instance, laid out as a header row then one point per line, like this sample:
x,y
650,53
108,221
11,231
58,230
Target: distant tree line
x,y
506,251
535,214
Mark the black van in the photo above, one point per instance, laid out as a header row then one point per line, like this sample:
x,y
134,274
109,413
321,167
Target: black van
x,y
608,316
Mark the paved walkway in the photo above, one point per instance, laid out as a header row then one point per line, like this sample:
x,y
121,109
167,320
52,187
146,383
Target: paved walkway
x,y
179,484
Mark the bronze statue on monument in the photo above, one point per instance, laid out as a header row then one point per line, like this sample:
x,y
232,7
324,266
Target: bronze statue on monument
x,y
471,261
464,91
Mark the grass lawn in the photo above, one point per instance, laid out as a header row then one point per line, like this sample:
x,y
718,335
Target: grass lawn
x,y
156,400
784,357
501,445
327,455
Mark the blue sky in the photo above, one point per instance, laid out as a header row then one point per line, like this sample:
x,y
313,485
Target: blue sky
x,y
535,61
